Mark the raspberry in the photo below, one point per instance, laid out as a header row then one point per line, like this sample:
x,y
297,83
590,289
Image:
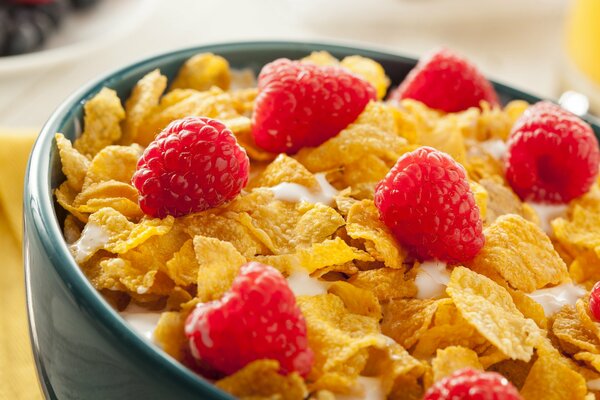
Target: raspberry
x,y
468,384
302,104
446,82
257,319
552,155
427,203
595,301
194,164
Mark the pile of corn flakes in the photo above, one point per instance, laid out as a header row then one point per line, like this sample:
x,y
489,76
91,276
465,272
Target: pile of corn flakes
x,y
370,321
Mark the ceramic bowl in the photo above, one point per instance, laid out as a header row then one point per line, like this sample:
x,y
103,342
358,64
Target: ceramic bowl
x,y
83,349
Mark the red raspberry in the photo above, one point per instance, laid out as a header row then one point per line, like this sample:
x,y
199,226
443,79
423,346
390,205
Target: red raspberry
x,y
427,203
552,155
194,164
302,104
446,82
468,384
595,301
257,319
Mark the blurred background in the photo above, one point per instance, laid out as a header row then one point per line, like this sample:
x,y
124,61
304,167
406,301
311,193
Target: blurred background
x,y
519,42
50,48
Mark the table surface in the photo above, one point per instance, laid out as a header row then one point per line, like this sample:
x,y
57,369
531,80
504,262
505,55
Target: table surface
x,y
520,49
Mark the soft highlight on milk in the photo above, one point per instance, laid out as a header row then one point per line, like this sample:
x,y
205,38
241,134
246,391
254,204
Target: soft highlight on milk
x,y
495,147
141,320
547,213
93,238
554,298
295,193
371,390
302,284
432,279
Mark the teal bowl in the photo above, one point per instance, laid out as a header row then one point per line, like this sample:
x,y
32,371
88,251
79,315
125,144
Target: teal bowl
x,y
82,347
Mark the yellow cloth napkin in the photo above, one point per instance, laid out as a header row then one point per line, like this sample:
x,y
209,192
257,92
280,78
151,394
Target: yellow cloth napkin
x,y
17,371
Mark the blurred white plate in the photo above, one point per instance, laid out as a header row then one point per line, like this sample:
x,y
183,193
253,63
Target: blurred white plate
x,y
416,12
81,33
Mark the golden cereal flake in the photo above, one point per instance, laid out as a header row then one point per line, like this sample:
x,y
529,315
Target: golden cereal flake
x,y
481,198
357,301
261,380
585,269
116,163
218,265
369,70
580,232
225,227
203,71
135,277
213,103
446,136
573,336
169,333
453,358
142,102
285,169
521,253
364,136
449,328
103,114
284,227
321,58
386,283
74,164
490,309
341,341
183,267
548,379
405,320
329,252
110,230
363,223
368,169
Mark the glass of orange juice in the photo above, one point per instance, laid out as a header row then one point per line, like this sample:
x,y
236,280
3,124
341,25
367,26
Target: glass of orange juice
x,y
582,48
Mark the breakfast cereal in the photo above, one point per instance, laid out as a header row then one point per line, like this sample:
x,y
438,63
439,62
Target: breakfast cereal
x,y
346,308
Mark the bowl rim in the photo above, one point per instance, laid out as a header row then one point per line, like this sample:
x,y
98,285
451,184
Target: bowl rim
x,y
38,203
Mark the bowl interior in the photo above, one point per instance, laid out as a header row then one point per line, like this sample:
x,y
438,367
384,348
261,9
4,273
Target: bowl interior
x,y
44,174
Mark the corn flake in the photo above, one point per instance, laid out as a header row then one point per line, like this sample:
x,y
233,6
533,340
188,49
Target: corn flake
x,y
405,320
385,283
548,379
109,230
116,163
357,301
169,334
453,358
363,223
369,70
142,102
74,164
374,132
520,253
285,169
203,71
218,265
102,117
261,380
490,309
